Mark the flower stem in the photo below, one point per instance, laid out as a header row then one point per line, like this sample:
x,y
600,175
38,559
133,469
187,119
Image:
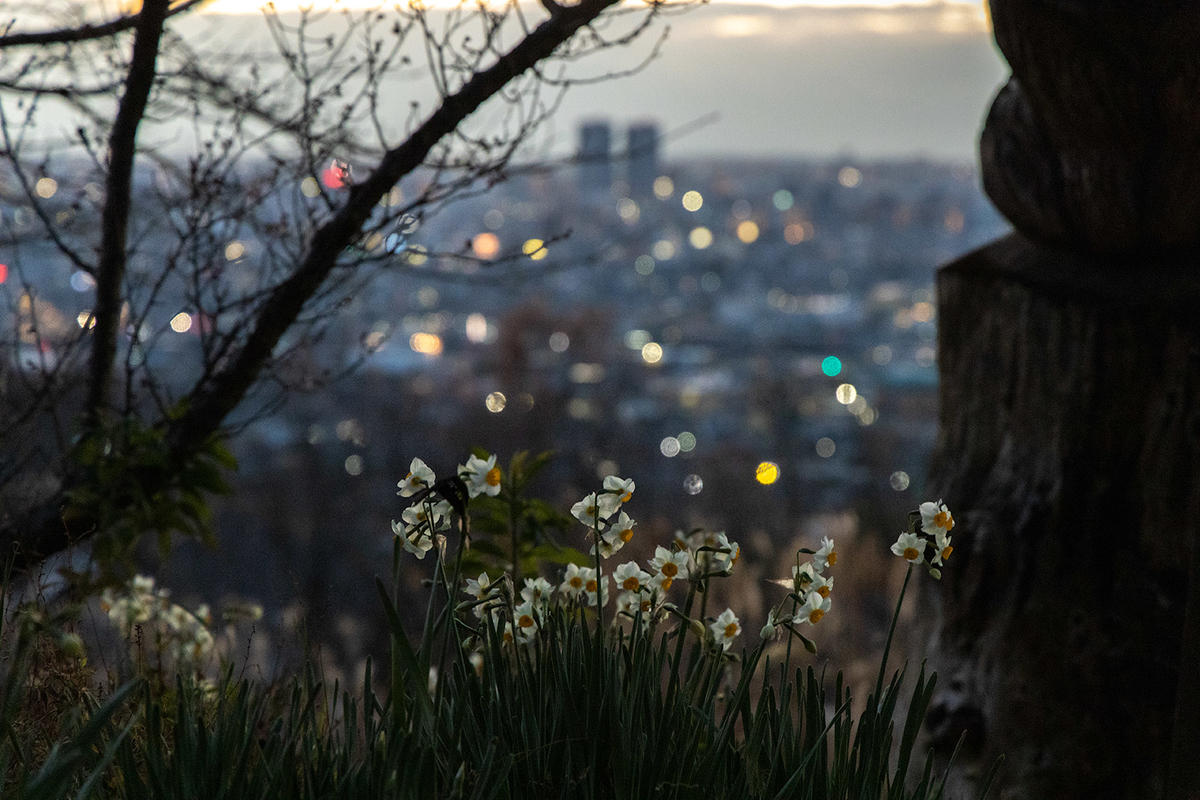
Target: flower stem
x,y
891,632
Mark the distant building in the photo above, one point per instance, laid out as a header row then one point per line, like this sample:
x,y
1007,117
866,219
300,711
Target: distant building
x,y
643,157
595,156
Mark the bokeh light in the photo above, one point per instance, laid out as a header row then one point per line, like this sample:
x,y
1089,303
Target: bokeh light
x,y
693,484
354,464
899,480
428,343
693,200
700,237
652,352
477,328
664,187
687,441
336,175
831,366
783,200
747,231
559,341
234,250
669,447
495,402
46,187
181,322
766,473
309,187
849,177
486,245
535,249
825,447
846,394
644,265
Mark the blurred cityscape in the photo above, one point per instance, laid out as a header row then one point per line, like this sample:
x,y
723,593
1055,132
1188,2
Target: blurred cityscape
x,y
753,342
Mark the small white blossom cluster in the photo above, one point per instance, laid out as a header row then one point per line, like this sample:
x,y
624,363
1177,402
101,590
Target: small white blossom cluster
x,y
183,634
598,511
813,586
936,522
420,522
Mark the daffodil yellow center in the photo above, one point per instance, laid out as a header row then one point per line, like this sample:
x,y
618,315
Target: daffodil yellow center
x,y
493,477
508,637
815,616
626,535
666,583
731,630
526,621
576,582
625,497
823,591
591,585
946,551
645,606
911,553
631,584
590,511
669,569
942,520
832,557
414,480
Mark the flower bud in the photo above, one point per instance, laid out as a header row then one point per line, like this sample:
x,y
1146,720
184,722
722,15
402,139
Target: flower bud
x,y
767,633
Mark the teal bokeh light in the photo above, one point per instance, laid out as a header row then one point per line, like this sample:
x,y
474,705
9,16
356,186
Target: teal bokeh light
x,y
831,366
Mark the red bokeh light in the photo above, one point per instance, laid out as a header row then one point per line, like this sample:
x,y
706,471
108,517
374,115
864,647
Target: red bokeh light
x,y
3,272
336,175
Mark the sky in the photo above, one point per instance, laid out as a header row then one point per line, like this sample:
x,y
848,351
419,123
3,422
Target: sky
x,y
781,79
824,78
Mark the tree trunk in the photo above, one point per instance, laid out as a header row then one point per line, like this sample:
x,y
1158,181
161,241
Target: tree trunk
x,y
1070,446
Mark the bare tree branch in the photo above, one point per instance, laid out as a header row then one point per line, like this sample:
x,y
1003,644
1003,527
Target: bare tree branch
x,y
122,146
85,33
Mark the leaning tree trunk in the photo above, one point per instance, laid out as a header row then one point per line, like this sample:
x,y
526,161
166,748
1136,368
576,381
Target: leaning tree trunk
x,y
1064,631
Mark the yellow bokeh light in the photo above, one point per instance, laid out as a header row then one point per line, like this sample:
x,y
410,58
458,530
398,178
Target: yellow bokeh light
x,y
747,231
700,237
86,319
428,343
309,187
234,251
846,394
181,322
46,187
922,312
416,255
767,473
693,200
652,352
535,249
664,187
495,402
486,245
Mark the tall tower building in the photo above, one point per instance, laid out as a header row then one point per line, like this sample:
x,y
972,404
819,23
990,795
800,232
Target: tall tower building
x,y
643,157
595,155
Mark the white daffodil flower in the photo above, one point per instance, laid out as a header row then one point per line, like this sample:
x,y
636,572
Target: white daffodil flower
x,y
942,549
620,487
826,556
419,477
537,590
622,529
668,566
418,543
609,543
595,588
802,578
813,609
910,547
822,585
480,587
630,577
527,626
935,517
725,628
595,508
573,581
724,561
481,477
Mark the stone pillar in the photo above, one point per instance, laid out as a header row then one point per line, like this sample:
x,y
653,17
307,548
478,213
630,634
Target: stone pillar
x,y
1063,631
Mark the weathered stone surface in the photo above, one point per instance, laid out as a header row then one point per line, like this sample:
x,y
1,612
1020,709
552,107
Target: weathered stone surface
x,y
1070,441
1095,143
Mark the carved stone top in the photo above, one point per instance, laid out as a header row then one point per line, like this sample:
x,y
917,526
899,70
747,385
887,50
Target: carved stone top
x,y
1094,143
